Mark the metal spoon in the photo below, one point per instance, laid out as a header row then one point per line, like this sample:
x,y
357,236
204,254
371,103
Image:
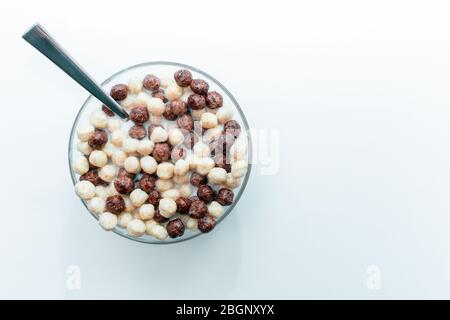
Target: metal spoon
x,y
42,41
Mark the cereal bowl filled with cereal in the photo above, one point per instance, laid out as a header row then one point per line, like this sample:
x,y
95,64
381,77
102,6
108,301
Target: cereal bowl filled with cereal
x,y
176,168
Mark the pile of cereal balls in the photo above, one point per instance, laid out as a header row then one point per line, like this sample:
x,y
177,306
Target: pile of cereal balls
x,y
172,167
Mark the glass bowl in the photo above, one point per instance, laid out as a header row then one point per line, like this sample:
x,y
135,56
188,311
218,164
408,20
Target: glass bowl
x,y
164,70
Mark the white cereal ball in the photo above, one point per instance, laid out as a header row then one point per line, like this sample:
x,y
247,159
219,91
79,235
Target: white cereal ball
x,y
167,207
192,224
135,84
149,224
164,82
129,206
85,190
223,115
185,190
130,145
84,148
217,176
212,134
163,185
181,179
124,218
192,160
232,182
99,119
81,165
84,131
136,228
138,197
107,173
127,103
96,205
204,165
165,170
109,149
156,106
215,209
145,147
146,211
118,157
208,120
173,91
98,158
181,167
176,137
107,220
114,124
159,135
112,190
158,231
117,138
149,164
132,165
238,150
239,168
143,98
156,119
197,114
102,192
173,194
201,150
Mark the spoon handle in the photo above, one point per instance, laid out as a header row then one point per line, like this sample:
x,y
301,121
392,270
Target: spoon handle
x,y
42,41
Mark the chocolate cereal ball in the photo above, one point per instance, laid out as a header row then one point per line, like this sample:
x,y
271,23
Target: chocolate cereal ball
x,y
151,82
214,100
206,224
159,94
177,153
158,217
221,161
124,185
98,139
178,107
232,127
175,228
119,92
196,101
93,177
161,152
183,77
147,182
115,204
199,86
186,122
197,179
107,111
205,193
198,209
153,198
137,132
168,112
139,114
225,196
183,205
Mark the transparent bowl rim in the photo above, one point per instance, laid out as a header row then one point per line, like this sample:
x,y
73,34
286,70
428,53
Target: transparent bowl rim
x,y
241,113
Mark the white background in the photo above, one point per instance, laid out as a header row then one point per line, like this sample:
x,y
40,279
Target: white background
x,y
359,91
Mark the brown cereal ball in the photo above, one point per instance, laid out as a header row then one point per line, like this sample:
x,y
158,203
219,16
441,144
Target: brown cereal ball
x,y
124,173
124,185
119,91
159,94
147,182
98,139
139,114
153,198
179,107
205,193
222,144
225,196
183,77
158,217
177,153
183,205
197,179
199,86
93,177
137,132
151,82
196,101
198,209
175,228
115,204
214,100
107,111
168,112
190,140
161,152
206,224
186,122
232,127
221,162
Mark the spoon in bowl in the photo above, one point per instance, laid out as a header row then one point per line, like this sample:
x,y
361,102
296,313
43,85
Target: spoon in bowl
x,y
43,42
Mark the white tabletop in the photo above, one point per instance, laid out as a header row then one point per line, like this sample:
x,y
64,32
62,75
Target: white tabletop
x,y
358,94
